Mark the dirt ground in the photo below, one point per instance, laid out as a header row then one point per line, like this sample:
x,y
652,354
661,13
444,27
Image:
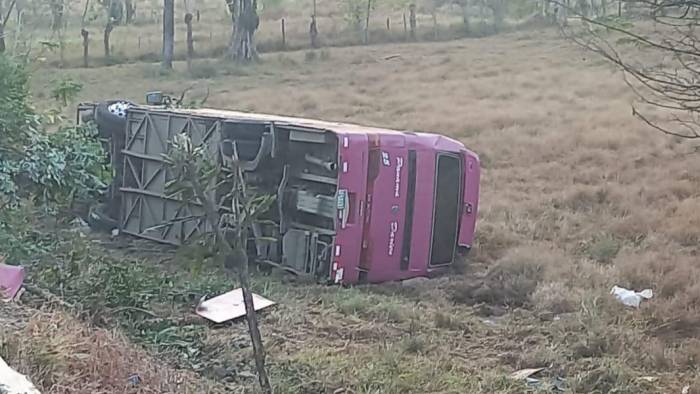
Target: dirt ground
x,y
577,196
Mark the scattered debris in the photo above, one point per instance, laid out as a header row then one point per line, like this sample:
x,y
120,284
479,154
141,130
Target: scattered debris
x,y
11,279
229,306
551,384
134,380
685,389
115,232
524,374
649,379
80,225
631,297
12,382
559,384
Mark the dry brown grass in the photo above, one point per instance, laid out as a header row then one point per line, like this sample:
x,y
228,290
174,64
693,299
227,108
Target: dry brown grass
x,y
577,196
64,355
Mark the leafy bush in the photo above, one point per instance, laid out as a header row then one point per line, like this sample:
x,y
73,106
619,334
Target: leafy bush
x,y
19,124
51,168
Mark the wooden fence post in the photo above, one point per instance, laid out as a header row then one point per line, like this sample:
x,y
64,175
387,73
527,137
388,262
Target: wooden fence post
x,y
86,46
190,42
405,26
284,36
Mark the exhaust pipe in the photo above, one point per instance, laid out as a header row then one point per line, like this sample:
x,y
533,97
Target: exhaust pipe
x,y
328,165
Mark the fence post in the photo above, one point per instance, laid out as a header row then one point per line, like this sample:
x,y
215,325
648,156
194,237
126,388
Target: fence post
x,y
405,26
85,34
284,35
190,41
435,26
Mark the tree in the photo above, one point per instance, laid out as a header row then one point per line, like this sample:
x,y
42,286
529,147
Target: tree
x,y
3,21
188,24
498,10
57,11
369,10
168,34
196,178
114,15
130,8
245,21
670,84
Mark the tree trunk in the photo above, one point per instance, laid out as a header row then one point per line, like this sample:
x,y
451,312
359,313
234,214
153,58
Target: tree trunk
x,y
57,15
2,37
190,42
435,25
237,257
498,11
369,9
108,30
168,34
253,329
85,11
130,8
412,20
242,48
465,16
405,26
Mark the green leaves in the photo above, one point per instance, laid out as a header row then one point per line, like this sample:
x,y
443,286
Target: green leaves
x,y
65,91
50,168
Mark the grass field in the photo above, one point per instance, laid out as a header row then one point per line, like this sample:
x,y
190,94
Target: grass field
x,y
577,196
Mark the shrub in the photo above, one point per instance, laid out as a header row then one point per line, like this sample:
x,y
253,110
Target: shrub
x,y
603,249
49,168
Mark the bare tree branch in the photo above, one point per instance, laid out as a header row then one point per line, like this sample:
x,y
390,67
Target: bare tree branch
x,y
669,76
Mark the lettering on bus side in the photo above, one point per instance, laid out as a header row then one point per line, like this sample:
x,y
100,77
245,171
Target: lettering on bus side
x,y
393,229
397,178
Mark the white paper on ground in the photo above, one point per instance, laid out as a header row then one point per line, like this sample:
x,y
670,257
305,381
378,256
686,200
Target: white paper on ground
x,y
229,306
631,297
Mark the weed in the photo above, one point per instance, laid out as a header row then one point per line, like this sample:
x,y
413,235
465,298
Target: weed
x,y
603,249
445,321
414,345
511,281
606,377
353,303
555,297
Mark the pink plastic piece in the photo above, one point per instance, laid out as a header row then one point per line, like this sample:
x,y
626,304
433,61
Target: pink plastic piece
x,y
11,279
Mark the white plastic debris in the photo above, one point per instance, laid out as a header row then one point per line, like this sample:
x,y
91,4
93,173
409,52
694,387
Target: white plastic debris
x,y
631,297
12,382
229,306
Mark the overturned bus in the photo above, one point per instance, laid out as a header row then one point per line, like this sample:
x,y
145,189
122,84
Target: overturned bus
x,y
354,204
